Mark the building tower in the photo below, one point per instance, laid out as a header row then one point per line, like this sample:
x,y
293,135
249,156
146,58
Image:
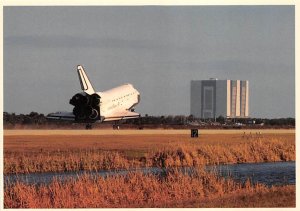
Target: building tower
x,y
213,98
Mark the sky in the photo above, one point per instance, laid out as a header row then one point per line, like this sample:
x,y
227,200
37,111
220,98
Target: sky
x,y
158,49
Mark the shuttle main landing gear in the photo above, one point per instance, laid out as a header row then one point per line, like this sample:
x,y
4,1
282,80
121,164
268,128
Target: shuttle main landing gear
x,y
116,126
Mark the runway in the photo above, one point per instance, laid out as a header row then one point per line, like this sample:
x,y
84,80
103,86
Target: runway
x,y
143,132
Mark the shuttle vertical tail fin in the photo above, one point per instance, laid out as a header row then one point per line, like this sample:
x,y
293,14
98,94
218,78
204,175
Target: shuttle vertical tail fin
x,y
85,83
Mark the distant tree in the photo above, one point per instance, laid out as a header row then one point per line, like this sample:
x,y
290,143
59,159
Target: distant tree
x,y
33,114
169,119
190,118
26,120
220,119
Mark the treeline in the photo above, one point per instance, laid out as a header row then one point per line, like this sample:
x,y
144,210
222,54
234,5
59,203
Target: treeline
x,y
23,119
34,118
191,120
273,122
160,120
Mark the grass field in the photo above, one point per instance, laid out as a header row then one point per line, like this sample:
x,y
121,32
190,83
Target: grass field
x,y
27,151
42,151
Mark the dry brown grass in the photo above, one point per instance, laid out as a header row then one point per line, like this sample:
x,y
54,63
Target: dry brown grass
x,y
251,151
284,196
173,189
65,161
39,153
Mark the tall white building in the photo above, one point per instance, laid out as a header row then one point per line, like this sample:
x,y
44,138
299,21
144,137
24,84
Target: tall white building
x,y
213,98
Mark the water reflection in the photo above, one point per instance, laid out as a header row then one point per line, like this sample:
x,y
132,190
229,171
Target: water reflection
x,y
277,173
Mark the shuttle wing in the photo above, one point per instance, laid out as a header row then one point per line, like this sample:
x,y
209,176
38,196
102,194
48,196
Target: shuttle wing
x,y
119,115
61,116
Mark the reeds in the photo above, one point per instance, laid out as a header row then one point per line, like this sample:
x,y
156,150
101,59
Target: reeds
x,y
88,160
132,190
256,150
170,155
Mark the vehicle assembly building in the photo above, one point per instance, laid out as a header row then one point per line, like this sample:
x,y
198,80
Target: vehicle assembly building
x,y
213,98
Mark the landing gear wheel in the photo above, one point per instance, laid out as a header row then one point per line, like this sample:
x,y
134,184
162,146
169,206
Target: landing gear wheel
x,y
116,126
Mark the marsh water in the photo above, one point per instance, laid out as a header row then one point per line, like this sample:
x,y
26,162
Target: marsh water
x,y
276,173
